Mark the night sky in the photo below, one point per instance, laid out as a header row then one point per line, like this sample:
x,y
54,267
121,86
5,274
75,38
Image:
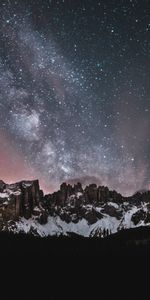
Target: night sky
x,y
75,92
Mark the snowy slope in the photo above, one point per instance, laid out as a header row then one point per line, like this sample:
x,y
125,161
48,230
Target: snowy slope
x,y
55,226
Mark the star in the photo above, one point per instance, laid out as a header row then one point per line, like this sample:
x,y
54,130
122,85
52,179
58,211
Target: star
x,y
74,92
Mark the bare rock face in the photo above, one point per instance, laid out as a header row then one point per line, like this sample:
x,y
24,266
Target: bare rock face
x,y
112,211
140,215
19,199
140,197
62,195
10,203
2,186
73,203
42,219
116,197
30,197
147,219
78,188
91,216
91,193
77,196
67,195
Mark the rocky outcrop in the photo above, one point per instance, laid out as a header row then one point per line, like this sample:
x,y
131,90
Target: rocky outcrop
x,y
147,218
76,194
92,211
140,197
19,199
140,215
31,197
2,186
73,203
112,211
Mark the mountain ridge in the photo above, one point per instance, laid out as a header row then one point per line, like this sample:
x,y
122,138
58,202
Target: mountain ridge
x,y
93,211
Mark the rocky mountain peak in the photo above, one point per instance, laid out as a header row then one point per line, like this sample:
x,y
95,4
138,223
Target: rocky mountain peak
x,y
89,211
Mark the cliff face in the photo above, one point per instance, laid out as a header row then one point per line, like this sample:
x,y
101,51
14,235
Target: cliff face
x,y
19,199
78,201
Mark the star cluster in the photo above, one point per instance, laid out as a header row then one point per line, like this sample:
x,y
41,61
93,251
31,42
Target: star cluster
x,y
74,92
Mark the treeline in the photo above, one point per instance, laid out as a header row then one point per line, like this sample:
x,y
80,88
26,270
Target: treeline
x,y
125,241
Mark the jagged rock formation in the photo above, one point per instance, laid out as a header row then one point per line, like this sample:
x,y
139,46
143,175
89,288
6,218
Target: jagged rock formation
x,y
72,203
90,211
21,199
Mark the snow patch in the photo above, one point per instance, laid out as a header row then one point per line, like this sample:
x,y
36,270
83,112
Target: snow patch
x,y
113,204
4,195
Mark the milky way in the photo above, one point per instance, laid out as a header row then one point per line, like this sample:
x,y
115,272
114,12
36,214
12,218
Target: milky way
x,y
74,92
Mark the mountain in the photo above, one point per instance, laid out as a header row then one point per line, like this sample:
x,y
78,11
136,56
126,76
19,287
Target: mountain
x,y
93,211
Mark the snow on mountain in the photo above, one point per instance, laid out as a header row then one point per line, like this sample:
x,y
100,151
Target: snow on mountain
x,y
93,211
55,226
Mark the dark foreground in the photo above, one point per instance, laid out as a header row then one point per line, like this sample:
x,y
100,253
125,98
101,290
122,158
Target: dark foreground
x,y
126,242
75,267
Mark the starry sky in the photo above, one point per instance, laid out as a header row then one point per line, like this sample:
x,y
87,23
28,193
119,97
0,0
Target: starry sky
x,y
75,92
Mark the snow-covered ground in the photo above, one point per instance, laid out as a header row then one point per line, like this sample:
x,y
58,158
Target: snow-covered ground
x,y
55,226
